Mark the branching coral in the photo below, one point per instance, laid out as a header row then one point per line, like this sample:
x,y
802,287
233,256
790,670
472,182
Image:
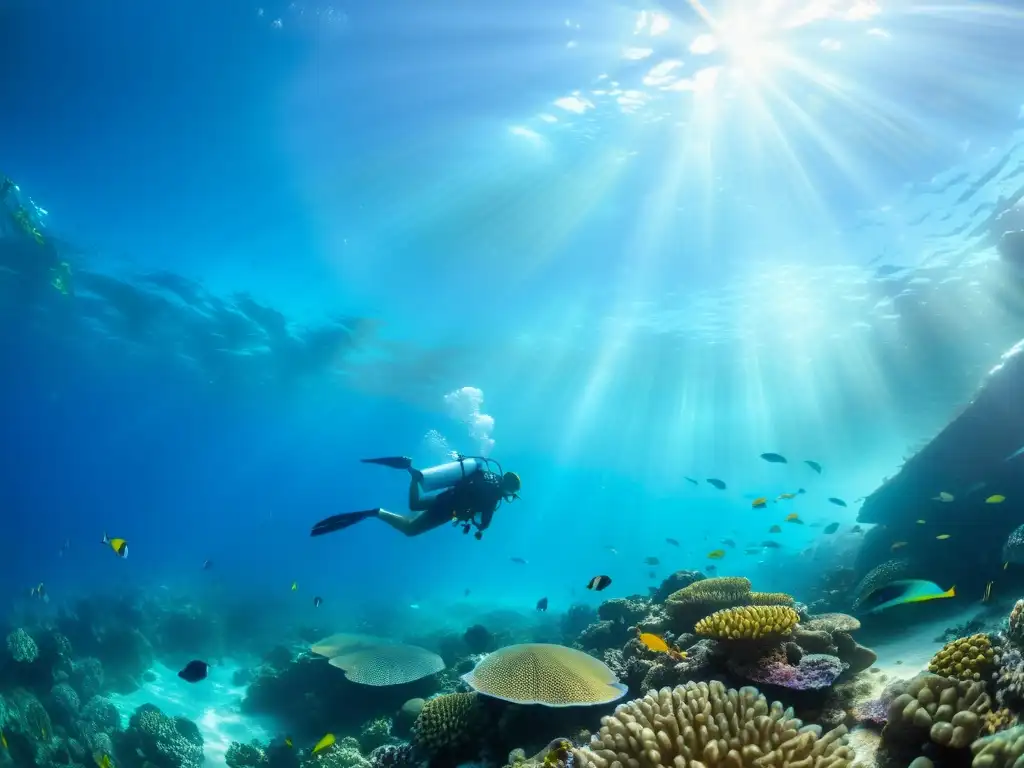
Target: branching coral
x,y
967,658
164,741
949,711
705,724
752,622
374,733
344,754
22,647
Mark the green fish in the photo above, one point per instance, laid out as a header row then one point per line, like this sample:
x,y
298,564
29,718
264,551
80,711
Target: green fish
x,y
902,592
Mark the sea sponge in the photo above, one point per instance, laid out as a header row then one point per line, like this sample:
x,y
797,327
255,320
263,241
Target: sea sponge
x,y
966,658
706,724
543,673
448,725
22,647
750,622
950,711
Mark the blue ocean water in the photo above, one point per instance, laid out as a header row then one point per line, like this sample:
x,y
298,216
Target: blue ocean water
x,y
611,245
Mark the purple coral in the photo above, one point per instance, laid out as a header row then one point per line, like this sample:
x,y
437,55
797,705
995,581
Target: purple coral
x,y
814,672
873,712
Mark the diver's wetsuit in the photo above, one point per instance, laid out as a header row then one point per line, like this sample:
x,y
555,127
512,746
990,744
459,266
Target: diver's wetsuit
x,y
475,495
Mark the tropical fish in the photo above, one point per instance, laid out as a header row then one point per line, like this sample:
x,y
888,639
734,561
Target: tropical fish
x,y
542,604
771,544
774,458
716,554
775,529
710,568
729,543
942,536
897,545
295,586
836,501
719,484
325,743
830,528
288,742
673,542
102,760
120,546
944,497
785,496
518,560
987,595
921,522
207,565
3,740
792,517
690,479
759,503
813,465
194,671
903,591
996,499
39,591
317,602
652,642
599,582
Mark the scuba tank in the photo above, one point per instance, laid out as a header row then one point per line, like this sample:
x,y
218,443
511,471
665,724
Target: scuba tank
x,y
447,475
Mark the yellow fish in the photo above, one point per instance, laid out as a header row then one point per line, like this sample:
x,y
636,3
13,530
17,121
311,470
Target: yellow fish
x,y
759,503
103,761
897,545
996,499
288,742
716,554
921,522
988,592
120,546
653,642
324,743
792,517
295,586
942,536
775,529
3,739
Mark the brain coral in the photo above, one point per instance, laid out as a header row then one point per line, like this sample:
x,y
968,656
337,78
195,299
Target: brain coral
x,y
966,658
542,673
750,622
705,724
22,647
388,664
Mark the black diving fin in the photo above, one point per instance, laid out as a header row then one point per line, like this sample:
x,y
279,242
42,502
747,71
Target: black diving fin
x,y
342,521
395,462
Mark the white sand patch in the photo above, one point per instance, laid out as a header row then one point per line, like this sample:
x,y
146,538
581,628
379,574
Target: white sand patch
x,y
212,704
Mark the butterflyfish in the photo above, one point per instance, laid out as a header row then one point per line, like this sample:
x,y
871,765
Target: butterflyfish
x,y
120,546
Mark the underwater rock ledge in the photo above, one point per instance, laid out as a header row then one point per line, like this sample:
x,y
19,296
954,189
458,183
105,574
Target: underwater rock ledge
x,y
973,448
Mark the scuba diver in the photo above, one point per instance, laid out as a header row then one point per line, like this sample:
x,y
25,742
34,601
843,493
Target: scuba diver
x,y
469,488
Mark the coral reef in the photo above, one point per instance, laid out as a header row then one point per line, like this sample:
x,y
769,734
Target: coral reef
x,y
707,724
541,673
163,741
675,582
968,658
22,647
882,573
702,598
449,727
624,610
753,622
375,733
1000,750
814,671
946,711
1015,625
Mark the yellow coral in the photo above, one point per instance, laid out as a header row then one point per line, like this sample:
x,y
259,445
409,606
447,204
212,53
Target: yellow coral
x,y
967,658
1000,720
749,622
